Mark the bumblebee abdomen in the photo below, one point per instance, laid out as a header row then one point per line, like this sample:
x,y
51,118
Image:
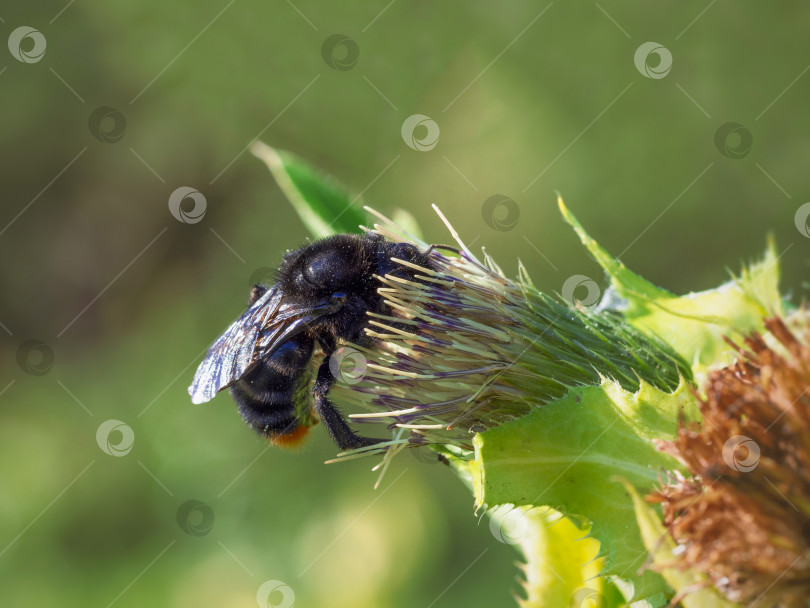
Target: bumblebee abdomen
x,y
269,396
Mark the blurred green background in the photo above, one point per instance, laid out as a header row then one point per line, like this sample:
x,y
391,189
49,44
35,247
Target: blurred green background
x,y
126,297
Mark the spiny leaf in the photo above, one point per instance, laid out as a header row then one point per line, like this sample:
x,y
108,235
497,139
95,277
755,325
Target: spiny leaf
x,y
696,324
561,563
322,203
567,453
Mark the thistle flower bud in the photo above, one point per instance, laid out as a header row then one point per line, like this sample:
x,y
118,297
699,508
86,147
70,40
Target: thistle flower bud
x,y
480,349
742,515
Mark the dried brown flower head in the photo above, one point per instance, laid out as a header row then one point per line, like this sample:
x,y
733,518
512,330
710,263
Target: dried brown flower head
x,y
743,515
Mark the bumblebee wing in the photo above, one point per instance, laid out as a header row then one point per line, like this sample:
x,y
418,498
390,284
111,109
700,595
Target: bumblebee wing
x,y
287,322
233,352
263,327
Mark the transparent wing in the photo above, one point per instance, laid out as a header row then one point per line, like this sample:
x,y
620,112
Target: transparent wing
x,y
260,330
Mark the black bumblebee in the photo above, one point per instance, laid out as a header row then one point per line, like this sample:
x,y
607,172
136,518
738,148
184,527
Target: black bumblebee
x,y
321,296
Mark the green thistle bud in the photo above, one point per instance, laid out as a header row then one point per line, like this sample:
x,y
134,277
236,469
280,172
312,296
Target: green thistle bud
x,y
484,349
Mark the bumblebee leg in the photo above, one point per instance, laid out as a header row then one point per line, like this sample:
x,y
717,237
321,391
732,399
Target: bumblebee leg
x,y
256,292
447,247
332,419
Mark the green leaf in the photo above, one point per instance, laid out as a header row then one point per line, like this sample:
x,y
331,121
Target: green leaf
x,y
661,545
567,455
561,562
322,203
696,324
